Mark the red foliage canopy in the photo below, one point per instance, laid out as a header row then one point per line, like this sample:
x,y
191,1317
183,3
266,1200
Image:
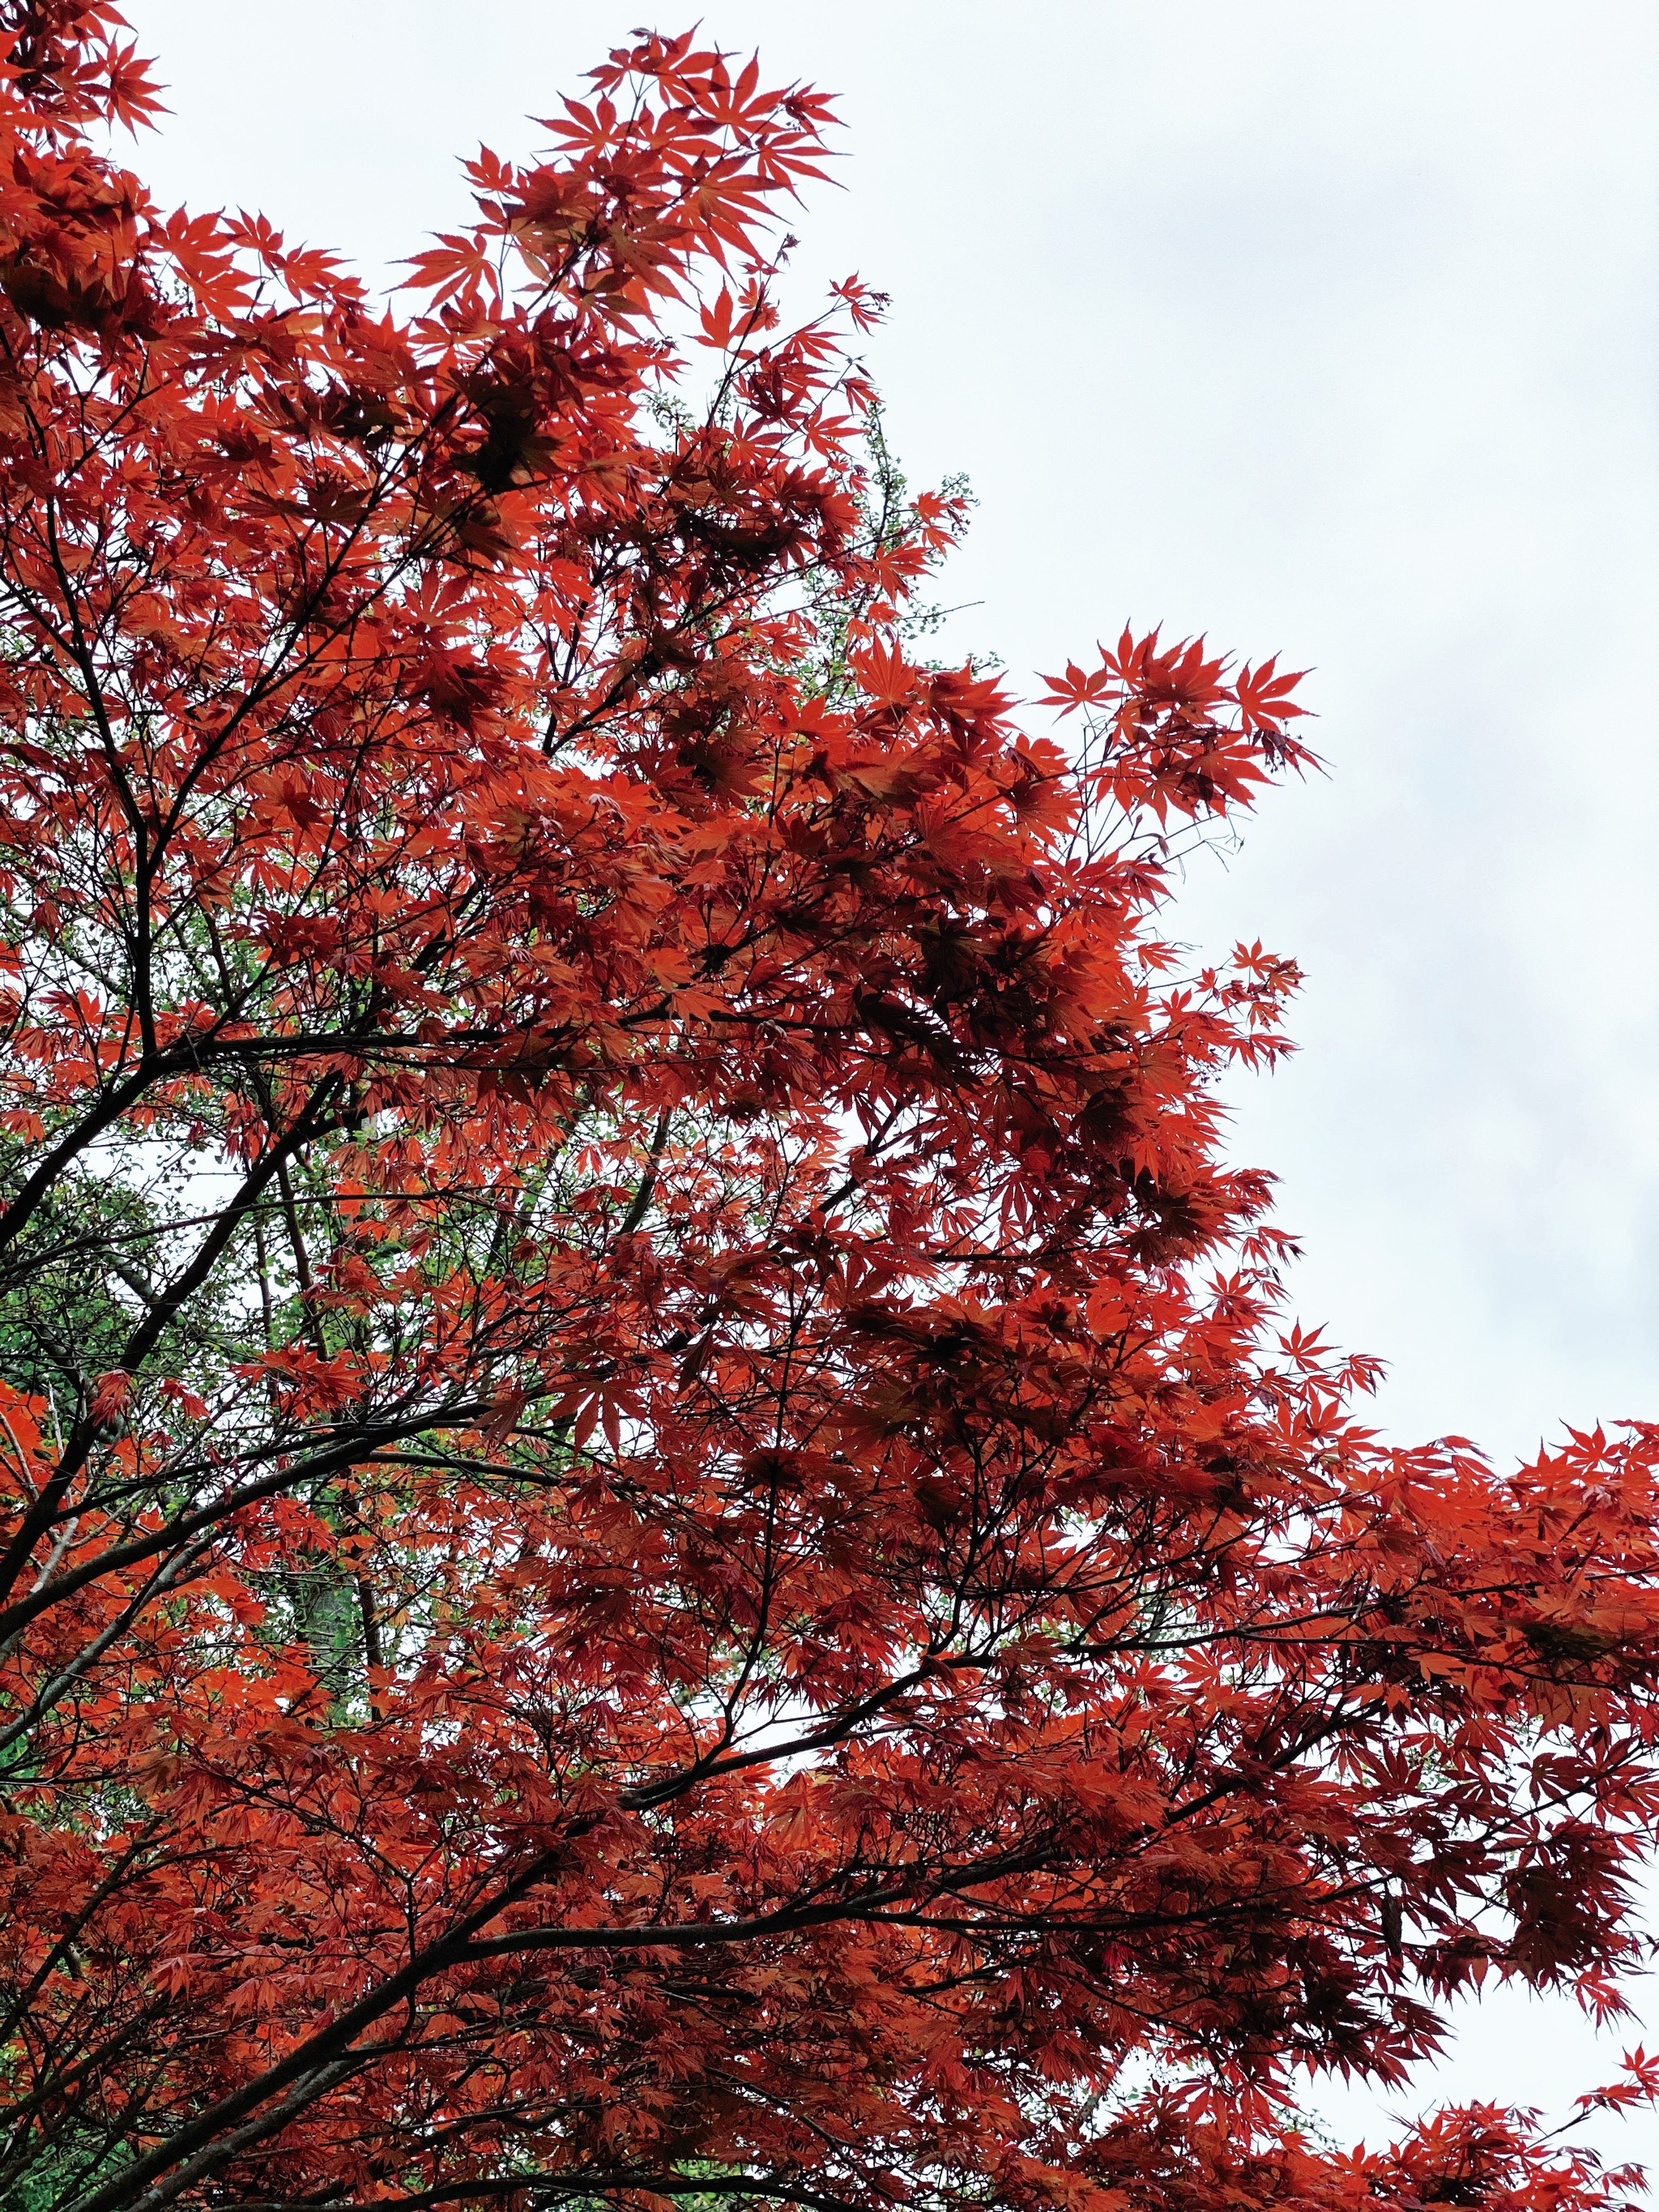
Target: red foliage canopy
x,y
661,1537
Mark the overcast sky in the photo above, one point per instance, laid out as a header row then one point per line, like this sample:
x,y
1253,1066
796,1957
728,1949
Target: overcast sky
x,y
1328,329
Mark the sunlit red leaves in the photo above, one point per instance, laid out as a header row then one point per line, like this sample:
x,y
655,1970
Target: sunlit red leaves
x,y
641,192
1183,737
1263,696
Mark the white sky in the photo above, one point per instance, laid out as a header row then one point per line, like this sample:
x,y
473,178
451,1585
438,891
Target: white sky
x,y
1326,328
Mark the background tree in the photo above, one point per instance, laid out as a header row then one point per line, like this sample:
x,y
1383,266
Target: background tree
x,y
660,1534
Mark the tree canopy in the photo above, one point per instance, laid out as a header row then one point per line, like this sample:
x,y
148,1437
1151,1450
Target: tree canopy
x,y
661,1535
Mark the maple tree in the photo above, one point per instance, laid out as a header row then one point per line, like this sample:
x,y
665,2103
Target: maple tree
x,y
662,1537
